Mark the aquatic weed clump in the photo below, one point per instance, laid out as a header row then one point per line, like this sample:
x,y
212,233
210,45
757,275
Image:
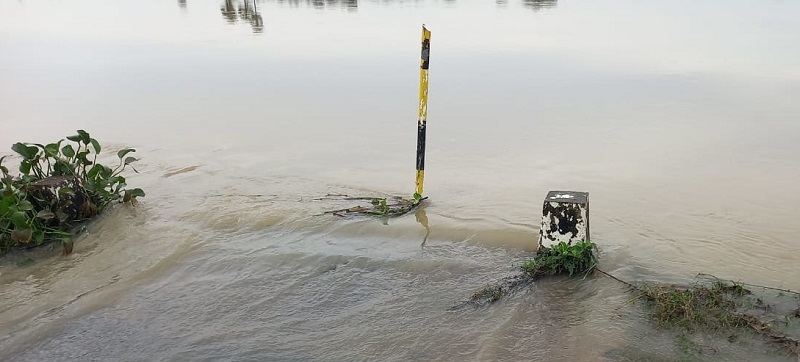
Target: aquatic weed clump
x,y
562,258
719,306
61,185
490,293
699,306
378,206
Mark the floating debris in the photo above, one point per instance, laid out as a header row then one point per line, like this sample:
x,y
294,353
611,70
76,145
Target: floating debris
x,y
386,206
560,259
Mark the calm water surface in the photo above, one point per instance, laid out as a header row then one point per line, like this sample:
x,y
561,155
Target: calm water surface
x,y
679,117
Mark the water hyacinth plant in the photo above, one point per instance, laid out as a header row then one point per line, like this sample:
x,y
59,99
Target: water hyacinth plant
x,y
60,185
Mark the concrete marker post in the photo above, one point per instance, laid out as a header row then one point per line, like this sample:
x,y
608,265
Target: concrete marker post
x,y
565,218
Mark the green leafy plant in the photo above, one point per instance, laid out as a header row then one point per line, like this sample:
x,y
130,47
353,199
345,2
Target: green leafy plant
x,y
563,258
381,207
60,184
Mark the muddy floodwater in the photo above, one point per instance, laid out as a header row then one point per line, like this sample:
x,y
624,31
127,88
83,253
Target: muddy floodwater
x,y
680,118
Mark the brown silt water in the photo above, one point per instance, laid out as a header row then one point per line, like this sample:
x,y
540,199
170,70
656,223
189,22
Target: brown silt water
x,y
680,118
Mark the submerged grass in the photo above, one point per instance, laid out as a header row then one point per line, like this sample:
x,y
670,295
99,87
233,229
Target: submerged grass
x,y
720,306
709,307
561,259
717,306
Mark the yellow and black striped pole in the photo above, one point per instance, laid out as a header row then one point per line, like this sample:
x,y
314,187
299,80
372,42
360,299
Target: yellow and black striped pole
x,y
423,109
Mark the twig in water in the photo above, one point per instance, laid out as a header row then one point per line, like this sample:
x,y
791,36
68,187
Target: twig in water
x,y
618,279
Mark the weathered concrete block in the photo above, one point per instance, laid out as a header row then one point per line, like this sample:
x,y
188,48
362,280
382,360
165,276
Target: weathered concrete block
x,y
565,217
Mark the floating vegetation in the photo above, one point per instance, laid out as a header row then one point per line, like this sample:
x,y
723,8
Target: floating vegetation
x,y
387,206
60,186
560,259
714,305
717,306
698,306
494,292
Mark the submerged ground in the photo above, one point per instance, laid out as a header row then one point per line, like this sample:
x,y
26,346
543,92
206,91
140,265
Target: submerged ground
x,y
678,117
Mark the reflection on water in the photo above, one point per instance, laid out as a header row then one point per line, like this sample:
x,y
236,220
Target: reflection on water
x,y
537,5
234,11
350,5
422,219
246,11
